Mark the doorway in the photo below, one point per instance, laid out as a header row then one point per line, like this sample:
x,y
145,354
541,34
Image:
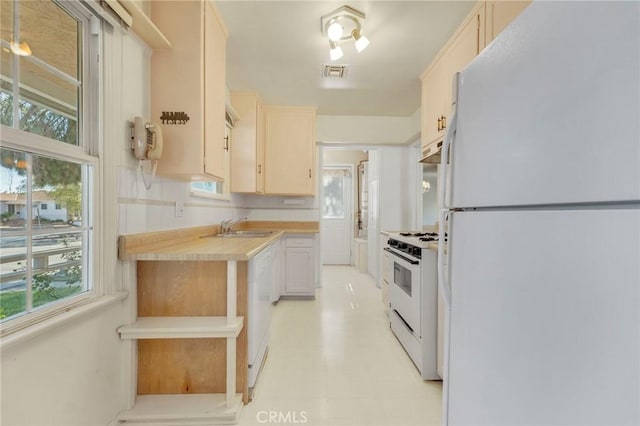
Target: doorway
x,y
337,213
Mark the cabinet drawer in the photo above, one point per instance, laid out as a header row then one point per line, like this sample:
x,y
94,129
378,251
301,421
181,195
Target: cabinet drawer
x,y
299,242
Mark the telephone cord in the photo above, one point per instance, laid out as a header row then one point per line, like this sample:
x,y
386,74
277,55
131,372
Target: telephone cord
x,y
153,173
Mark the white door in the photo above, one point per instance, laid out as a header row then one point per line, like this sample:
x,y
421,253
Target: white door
x,y
539,121
336,215
540,310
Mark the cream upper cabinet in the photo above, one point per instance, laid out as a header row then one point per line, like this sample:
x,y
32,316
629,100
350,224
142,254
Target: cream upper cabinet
x,y
432,103
437,79
290,140
465,46
247,149
189,79
215,40
500,14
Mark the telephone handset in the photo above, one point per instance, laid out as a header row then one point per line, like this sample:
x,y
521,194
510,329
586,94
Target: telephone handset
x,y
147,140
146,145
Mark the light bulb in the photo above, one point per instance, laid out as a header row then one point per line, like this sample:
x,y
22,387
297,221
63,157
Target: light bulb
x,y
361,41
334,31
336,51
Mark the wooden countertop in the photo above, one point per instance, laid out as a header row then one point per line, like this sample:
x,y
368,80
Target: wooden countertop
x,y
188,244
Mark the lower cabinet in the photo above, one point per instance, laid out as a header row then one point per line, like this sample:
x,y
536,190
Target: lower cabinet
x,y
299,265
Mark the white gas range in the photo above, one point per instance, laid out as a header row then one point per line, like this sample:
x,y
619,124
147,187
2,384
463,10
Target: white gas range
x,y
413,297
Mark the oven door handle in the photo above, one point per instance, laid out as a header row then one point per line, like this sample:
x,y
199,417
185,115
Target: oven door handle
x,y
406,259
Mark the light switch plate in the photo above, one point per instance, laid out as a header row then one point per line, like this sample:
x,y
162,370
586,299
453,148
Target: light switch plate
x,y
179,208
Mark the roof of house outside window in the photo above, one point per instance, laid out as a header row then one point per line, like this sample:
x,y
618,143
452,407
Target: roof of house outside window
x,y
20,198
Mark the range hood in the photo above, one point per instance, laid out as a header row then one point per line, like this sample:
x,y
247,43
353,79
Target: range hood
x,y
431,153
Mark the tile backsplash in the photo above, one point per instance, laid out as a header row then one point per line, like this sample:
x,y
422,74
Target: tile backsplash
x,y
142,210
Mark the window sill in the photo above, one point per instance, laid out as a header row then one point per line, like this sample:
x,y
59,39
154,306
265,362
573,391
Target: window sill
x,y
210,195
71,314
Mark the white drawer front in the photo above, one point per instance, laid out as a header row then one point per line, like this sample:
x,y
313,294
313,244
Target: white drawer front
x,y
299,242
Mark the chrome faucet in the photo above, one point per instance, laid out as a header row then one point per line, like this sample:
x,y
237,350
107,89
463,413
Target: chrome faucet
x,y
226,225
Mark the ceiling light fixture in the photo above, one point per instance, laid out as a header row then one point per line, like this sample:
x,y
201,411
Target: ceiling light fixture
x,y
334,25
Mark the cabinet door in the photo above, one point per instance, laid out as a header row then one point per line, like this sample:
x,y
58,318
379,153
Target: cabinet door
x,y
214,99
259,166
182,23
500,14
432,103
300,267
247,149
464,48
289,151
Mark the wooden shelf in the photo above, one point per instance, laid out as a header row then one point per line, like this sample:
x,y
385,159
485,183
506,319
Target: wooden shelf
x,y
144,27
182,328
185,409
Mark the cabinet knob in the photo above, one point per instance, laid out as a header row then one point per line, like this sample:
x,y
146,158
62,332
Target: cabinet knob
x,y
259,168
309,172
439,123
444,122
226,143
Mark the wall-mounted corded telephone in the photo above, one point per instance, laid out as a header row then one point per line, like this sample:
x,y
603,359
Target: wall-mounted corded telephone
x,y
147,140
146,143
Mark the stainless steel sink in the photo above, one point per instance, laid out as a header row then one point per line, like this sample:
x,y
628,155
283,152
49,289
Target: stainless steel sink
x,y
242,234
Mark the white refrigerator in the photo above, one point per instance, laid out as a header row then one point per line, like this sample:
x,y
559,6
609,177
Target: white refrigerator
x,y
541,276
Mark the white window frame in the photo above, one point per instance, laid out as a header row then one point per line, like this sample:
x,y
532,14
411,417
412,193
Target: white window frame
x,y
84,153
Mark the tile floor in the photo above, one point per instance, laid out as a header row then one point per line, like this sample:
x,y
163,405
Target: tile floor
x,y
334,361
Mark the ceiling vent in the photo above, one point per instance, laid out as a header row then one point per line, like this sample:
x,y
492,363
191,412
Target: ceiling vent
x,y
335,71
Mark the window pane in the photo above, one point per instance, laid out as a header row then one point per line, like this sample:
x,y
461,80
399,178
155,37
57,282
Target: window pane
x,y
13,254
48,120
13,189
52,34
333,206
60,182
49,89
6,102
207,187
57,267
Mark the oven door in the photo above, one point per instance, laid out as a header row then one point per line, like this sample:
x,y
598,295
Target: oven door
x,y
404,290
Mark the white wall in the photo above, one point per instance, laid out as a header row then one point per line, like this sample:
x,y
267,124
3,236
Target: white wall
x,y
416,124
396,183
68,377
396,198
344,155
261,207
365,130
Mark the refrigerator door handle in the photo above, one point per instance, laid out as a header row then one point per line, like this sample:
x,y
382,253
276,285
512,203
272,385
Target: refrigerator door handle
x,y
443,284
444,156
444,289
443,184
445,213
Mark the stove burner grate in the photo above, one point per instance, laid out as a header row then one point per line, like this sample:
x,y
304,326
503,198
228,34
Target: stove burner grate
x,y
420,234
